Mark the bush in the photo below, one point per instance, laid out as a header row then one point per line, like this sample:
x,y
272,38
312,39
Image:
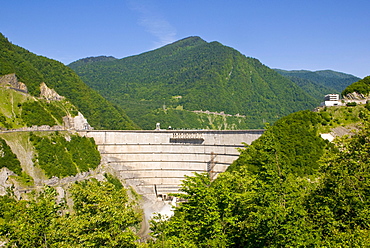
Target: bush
x,y
367,105
8,159
59,157
33,113
351,104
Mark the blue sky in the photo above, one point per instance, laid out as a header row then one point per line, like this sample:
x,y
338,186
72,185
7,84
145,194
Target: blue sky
x,y
285,34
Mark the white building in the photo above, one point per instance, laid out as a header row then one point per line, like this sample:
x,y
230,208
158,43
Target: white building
x,y
331,100
332,97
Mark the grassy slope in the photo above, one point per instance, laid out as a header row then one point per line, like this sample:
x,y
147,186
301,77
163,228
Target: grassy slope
x,y
32,70
16,112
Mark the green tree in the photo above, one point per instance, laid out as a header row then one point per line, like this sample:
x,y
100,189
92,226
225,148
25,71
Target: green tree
x,y
292,144
199,221
279,193
339,207
103,216
8,158
30,223
362,86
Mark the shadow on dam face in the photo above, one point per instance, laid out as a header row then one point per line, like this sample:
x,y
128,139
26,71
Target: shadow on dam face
x,y
155,162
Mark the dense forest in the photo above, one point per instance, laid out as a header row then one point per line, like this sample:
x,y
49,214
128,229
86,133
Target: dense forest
x,y
8,159
32,70
62,154
319,83
103,215
290,188
332,80
362,87
192,74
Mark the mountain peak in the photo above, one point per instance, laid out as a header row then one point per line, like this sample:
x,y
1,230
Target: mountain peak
x,y
97,59
190,41
191,75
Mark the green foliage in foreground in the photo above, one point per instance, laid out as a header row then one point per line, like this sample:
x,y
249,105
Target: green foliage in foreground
x,y
279,193
8,159
292,142
60,157
102,216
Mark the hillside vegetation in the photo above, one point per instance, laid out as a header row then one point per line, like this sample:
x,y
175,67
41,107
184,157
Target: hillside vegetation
x,y
79,210
56,154
62,154
362,87
320,83
189,75
8,159
289,188
103,215
32,70
22,110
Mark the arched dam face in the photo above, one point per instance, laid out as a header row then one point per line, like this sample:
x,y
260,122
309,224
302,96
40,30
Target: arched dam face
x,y
155,162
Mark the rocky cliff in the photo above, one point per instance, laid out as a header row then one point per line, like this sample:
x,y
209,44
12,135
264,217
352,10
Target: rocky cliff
x,y
49,94
11,81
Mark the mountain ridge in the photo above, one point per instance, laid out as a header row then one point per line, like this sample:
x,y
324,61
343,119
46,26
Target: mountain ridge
x,y
33,70
206,76
337,80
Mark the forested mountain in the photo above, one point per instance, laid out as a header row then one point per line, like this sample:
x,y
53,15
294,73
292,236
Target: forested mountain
x,y
192,74
54,190
319,83
361,87
32,70
94,59
289,188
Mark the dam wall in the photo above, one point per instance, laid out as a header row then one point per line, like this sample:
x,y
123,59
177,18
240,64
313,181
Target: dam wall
x,y
155,162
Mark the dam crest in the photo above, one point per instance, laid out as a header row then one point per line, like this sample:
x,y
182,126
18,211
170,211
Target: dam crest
x,y
155,162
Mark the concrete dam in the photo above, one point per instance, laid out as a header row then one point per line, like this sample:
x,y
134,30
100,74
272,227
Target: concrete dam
x,y
155,162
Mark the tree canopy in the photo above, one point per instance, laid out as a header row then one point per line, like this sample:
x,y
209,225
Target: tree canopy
x,y
102,216
362,86
281,192
192,74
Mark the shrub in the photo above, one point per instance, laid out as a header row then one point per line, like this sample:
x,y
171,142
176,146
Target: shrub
x,y
8,159
351,104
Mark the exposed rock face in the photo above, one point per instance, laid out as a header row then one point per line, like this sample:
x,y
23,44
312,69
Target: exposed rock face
x,y
355,96
78,122
49,94
11,81
339,132
4,175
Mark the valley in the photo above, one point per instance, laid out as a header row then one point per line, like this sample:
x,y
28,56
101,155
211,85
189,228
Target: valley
x,y
245,155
